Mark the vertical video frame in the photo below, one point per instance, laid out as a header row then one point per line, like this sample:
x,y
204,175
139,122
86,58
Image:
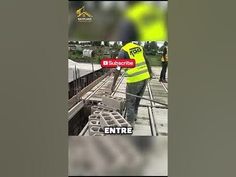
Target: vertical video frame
x,y
117,88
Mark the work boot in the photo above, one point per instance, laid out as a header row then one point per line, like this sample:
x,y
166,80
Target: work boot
x,y
164,81
160,80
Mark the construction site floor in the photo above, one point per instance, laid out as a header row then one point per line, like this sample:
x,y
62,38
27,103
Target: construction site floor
x,y
152,118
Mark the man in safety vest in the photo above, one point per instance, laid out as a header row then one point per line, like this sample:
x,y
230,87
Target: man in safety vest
x,y
164,62
143,21
136,77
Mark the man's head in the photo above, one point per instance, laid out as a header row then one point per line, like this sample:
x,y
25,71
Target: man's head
x,y
166,43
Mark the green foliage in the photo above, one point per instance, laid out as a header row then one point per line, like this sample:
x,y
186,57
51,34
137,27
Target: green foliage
x,y
96,43
154,60
153,46
115,45
106,43
150,48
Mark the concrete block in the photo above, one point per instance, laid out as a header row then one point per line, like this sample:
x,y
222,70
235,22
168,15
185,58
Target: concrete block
x,y
93,117
101,104
94,123
112,119
107,110
100,119
120,120
97,113
95,108
100,109
116,103
95,129
115,113
106,120
98,134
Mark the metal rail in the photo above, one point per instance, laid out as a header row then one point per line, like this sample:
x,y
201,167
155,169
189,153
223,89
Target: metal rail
x,y
82,133
166,90
154,106
151,115
152,123
153,126
151,100
75,109
163,85
118,84
77,97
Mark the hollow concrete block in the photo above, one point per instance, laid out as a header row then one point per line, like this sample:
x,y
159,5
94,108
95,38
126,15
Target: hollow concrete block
x,y
94,117
120,120
112,119
94,123
106,120
114,102
100,109
95,129
101,104
98,134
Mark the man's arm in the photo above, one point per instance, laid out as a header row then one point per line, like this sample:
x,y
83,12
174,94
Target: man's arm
x,y
116,75
122,54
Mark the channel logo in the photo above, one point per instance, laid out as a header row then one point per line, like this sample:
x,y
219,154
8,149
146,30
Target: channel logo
x,y
83,15
113,63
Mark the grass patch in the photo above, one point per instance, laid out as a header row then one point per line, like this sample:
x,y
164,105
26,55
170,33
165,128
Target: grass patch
x,y
154,60
77,57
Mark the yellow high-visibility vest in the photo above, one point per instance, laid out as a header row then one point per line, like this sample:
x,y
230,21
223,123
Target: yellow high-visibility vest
x,y
140,71
162,58
149,21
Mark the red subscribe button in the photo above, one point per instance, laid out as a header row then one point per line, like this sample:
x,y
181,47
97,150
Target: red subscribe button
x,y
113,63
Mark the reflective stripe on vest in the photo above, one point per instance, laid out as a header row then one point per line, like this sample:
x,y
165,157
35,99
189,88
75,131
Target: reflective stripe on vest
x,y
149,21
137,73
140,71
141,64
